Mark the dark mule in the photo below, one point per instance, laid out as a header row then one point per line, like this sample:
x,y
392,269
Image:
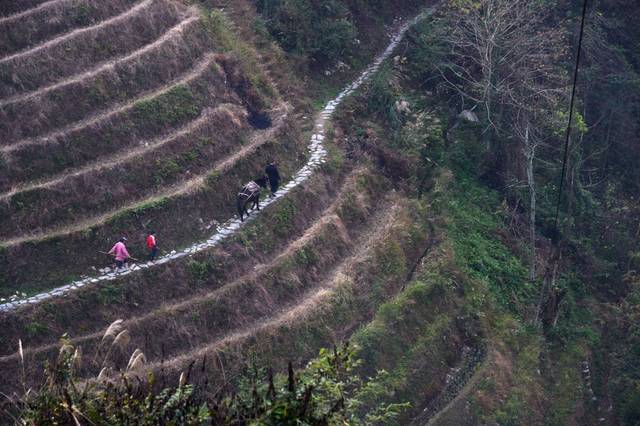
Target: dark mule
x,y
250,193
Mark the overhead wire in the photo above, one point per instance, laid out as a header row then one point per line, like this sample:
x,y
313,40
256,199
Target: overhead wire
x,y
565,156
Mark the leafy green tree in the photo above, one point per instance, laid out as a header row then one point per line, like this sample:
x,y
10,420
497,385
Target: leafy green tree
x,y
322,31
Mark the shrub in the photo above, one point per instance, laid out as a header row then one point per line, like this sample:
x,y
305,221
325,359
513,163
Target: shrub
x,y
381,96
35,328
320,31
173,107
322,393
258,88
166,170
199,270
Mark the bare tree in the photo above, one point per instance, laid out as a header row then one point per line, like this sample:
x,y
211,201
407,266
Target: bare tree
x,y
505,57
499,52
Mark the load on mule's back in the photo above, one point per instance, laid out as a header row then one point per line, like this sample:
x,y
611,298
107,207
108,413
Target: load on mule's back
x,y
250,196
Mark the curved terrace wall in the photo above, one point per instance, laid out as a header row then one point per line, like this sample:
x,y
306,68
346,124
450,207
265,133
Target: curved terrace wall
x,y
10,7
220,133
232,259
69,54
182,218
66,102
57,17
138,122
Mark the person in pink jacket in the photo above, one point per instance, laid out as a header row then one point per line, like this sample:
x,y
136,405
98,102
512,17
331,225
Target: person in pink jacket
x,y
119,251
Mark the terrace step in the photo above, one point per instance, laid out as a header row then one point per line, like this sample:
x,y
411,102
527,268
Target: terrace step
x,y
138,152
214,308
181,211
148,168
231,262
121,127
83,48
13,8
33,26
180,189
276,316
71,100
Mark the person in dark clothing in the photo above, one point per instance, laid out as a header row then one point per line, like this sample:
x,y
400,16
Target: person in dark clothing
x,y
274,177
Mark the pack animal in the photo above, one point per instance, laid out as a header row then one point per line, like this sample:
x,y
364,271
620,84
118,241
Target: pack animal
x,y
249,196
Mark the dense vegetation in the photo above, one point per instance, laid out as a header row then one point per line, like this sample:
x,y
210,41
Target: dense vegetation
x,y
571,293
329,35
326,391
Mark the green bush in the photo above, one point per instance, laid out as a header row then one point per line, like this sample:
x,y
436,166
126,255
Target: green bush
x,y
166,170
200,270
324,392
36,328
173,107
320,31
381,96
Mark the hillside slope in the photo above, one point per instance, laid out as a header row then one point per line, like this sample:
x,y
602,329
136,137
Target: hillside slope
x,y
144,106
158,135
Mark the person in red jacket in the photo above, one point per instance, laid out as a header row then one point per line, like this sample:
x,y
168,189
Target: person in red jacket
x,y
152,246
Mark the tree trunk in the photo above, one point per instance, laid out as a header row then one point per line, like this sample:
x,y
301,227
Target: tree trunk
x,y
530,154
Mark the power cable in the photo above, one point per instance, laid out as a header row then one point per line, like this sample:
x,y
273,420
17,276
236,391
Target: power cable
x,y
569,124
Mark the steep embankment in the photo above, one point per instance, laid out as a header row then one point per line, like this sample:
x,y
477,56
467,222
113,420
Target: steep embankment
x,y
65,202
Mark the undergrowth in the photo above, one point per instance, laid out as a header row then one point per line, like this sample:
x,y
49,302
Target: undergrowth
x,y
325,391
175,106
226,40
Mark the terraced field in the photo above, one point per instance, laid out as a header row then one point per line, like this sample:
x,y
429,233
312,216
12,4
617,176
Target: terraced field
x,y
145,124
135,107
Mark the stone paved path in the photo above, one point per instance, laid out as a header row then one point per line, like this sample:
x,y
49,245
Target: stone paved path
x,y
317,156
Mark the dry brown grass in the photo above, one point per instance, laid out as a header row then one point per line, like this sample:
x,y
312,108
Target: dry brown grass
x,y
243,271
183,219
174,320
305,306
9,9
33,26
112,331
107,133
84,48
65,199
136,361
74,99
134,76
259,140
185,135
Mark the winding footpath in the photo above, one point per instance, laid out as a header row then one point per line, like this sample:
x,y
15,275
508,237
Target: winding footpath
x,y
317,156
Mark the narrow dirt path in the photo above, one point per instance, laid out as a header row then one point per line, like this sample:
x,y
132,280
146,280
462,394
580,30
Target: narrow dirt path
x,y
105,67
116,20
317,156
